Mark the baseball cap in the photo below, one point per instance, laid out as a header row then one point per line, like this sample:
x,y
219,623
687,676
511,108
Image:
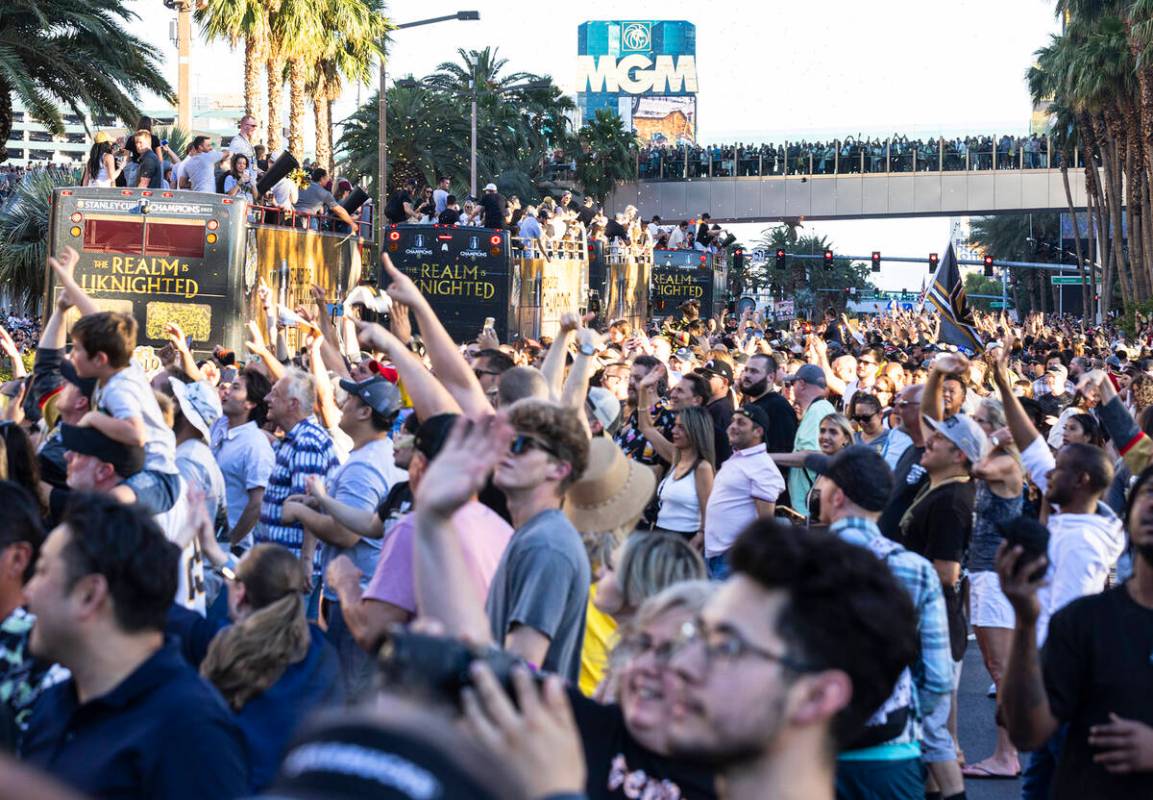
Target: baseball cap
x,y
964,433
125,459
605,406
1059,370
433,433
377,393
809,373
714,366
756,415
199,403
683,354
101,137
68,371
858,471
490,187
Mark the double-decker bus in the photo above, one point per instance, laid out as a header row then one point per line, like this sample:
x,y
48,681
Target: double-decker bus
x,y
469,274
619,282
193,258
679,276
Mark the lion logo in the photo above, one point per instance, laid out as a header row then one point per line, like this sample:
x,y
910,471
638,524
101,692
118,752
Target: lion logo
x,y
637,36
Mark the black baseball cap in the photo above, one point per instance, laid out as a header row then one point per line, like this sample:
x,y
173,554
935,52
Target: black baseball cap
x,y
858,471
433,433
125,459
68,371
756,415
714,366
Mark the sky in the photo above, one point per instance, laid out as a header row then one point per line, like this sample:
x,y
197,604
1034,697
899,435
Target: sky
x,y
768,71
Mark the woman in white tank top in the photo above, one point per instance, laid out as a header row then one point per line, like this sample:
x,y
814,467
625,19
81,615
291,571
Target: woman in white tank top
x,y
684,491
101,169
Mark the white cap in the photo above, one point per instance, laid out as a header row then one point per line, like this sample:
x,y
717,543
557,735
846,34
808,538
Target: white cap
x,y
490,187
199,403
605,406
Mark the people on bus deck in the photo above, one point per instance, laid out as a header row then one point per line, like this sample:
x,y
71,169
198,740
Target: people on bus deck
x,y
317,199
131,168
102,168
401,205
241,143
494,207
199,169
238,181
148,172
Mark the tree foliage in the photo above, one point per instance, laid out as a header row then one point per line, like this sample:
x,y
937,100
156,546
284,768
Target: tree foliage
x,y
24,222
807,281
607,154
1020,237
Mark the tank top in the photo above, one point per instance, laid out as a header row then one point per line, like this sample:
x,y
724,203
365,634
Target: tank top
x,y
989,509
680,509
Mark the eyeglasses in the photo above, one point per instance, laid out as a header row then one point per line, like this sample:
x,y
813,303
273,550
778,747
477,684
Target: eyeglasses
x,y
523,443
730,646
643,644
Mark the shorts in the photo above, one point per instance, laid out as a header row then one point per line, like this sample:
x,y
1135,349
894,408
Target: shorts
x,y
903,779
936,742
718,567
988,606
155,490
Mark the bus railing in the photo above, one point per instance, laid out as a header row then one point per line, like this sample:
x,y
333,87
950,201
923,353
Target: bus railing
x,y
302,220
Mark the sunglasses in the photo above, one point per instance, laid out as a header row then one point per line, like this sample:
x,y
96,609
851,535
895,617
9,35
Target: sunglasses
x,y
864,418
523,443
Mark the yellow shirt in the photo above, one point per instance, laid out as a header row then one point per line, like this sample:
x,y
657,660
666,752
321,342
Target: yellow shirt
x,y
600,636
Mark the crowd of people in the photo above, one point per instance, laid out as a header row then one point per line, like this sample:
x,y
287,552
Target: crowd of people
x,y
742,560
853,154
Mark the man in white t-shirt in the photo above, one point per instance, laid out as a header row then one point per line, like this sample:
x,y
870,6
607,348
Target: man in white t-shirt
x,y
199,169
241,144
440,194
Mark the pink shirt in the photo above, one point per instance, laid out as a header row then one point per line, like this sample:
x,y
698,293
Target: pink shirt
x,y
483,535
747,474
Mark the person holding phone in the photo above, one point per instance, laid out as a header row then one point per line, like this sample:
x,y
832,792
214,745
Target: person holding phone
x,y
238,181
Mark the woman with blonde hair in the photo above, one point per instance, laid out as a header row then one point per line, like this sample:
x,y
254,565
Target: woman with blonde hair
x,y
271,666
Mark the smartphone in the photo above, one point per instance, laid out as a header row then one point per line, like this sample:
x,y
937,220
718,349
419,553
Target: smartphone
x,y
1031,536
489,323
188,342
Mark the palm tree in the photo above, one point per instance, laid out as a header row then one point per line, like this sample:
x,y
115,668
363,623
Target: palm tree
x,y
76,53
608,154
232,21
24,221
297,31
355,31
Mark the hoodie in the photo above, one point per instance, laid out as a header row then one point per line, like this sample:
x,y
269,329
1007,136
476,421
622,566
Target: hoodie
x,y
1082,550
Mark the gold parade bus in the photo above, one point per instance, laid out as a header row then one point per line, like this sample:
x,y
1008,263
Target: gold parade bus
x,y
470,274
679,276
619,282
193,258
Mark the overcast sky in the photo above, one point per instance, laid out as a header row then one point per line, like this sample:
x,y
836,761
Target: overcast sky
x,y
768,71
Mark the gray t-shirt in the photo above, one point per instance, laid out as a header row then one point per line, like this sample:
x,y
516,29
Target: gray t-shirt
x,y
127,394
361,482
314,199
543,582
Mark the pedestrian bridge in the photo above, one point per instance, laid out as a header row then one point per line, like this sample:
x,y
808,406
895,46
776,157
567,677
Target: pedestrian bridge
x,y
871,195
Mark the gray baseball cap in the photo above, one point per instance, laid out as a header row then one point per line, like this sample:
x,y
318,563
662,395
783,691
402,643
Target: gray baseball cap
x,y
964,433
378,394
809,373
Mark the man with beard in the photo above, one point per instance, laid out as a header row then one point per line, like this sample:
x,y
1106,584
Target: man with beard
x,y
787,661
1093,678
756,385
629,438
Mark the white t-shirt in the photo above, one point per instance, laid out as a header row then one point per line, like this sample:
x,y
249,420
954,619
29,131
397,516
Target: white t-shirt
x,y
128,395
440,197
200,170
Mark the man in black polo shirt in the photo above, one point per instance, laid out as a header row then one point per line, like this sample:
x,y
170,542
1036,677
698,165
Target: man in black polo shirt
x,y
134,720
719,374
757,386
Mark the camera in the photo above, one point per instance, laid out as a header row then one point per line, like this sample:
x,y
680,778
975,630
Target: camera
x,y
438,666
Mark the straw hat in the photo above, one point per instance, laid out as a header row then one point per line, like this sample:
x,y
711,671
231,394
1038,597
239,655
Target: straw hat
x,y
613,491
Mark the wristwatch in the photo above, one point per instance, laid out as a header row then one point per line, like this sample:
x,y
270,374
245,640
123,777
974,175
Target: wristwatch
x,y
587,349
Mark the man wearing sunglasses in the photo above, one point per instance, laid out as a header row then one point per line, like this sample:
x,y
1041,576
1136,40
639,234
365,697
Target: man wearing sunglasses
x,y
786,662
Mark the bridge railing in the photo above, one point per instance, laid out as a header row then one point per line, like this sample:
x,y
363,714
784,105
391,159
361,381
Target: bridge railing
x,y
847,157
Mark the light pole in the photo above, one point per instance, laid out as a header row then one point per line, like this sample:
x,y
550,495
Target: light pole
x,y
382,123
183,9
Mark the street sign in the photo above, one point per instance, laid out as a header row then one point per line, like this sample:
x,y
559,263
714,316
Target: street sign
x,y
999,304
1067,280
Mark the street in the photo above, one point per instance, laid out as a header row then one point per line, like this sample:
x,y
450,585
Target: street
x,y
976,730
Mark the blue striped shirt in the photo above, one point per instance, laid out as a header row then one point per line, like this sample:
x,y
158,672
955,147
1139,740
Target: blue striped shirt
x,y
305,450
932,674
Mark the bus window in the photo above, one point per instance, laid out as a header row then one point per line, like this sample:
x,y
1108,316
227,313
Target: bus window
x,y
184,241
113,236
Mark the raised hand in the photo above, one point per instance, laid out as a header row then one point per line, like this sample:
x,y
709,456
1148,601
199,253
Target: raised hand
x,y
64,265
471,452
255,341
7,345
951,364
176,335
401,288
400,322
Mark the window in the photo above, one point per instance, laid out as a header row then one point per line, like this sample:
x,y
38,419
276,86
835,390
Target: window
x,y
127,236
41,155
74,138
16,152
72,119
39,136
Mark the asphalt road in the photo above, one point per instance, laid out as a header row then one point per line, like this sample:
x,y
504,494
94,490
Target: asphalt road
x,y
975,728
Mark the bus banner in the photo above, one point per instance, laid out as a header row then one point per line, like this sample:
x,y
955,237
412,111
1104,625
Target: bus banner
x,y
679,276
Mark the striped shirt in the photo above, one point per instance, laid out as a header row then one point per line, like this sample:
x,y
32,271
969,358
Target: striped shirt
x,y
305,450
932,674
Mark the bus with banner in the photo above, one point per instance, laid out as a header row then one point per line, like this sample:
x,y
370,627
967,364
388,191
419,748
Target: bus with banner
x,y
192,258
471,274
619,282
679,276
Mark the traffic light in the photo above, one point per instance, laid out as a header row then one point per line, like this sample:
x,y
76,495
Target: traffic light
x,y
988,266
828,259
780,258
738,258
876,261
933,259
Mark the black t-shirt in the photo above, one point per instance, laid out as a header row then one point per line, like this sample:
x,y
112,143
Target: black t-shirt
x,y
908,478
394,208
722,413
1098,659
450,216
940,522
586,215
493,207
619,767
614,230
150,169
782,422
